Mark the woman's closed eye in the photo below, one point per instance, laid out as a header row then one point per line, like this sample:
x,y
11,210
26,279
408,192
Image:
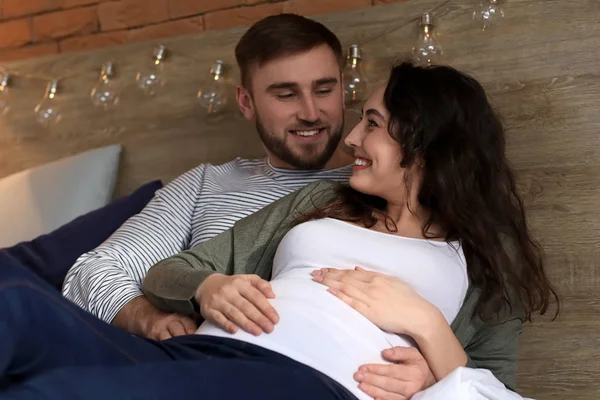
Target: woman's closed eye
x,y
370,122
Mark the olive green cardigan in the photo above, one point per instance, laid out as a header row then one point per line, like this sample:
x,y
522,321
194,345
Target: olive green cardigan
x,y
249,248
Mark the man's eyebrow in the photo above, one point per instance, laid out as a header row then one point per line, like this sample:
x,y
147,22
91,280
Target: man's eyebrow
x,y
326,81
294,85
282,85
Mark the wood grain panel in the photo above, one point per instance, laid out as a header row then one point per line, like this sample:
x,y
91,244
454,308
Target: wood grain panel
x,y
540,68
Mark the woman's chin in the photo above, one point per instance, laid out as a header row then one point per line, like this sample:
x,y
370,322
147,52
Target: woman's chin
x,y
359,183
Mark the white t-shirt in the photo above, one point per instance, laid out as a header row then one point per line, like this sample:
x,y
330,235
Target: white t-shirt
x,y
318,329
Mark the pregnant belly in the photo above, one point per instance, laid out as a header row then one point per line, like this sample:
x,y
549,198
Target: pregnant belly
x,y
319,330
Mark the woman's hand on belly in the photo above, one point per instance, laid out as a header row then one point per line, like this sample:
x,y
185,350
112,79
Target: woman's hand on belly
x,y
394,306
388,302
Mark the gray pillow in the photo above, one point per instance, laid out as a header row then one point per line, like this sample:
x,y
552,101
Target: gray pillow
x,y
40,199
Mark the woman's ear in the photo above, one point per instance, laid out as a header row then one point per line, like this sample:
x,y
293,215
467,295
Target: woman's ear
x,y
244,101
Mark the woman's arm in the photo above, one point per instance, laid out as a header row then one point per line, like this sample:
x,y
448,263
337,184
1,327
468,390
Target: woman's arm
x,y
394,306
438,344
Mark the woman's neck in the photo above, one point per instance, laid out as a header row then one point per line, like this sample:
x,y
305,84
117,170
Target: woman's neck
x,y
409,221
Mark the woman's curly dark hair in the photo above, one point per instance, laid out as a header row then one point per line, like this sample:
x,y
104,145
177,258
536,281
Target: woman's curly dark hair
x,y
442,118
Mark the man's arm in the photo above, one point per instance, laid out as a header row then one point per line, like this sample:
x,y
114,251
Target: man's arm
x,y
247,248
107,280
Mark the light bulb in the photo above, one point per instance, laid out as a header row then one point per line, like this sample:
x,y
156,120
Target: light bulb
x,y
104,94
47,112
427,49
355,85
4,94
488,14
213,96
152,77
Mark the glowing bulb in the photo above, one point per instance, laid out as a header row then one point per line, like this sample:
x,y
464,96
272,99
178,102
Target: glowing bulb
x,y
152,77
427,49
104,94
355,85
4,94
488,13
213,96
47,112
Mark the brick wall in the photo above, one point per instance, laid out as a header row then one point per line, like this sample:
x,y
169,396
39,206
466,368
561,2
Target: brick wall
x,y
32,28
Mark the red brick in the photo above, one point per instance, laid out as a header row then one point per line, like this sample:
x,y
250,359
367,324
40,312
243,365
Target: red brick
x,y
185,8
80,43
17,8
166,29
310,7
36,50
77,3
15,33
240,16
124,14
78,21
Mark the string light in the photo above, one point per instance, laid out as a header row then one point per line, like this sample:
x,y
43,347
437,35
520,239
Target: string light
x,y
47,111
213,96
104,93
151,77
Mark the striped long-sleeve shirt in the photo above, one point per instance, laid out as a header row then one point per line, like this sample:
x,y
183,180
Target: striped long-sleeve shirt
x,y
195,207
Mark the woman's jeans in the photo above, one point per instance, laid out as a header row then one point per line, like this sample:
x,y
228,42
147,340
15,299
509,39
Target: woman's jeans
x,y
52,349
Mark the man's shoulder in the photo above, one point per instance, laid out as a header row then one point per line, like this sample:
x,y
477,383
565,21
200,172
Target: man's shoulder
x,y
237,166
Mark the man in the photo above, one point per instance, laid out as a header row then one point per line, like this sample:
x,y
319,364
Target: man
x,y
291,86
292,89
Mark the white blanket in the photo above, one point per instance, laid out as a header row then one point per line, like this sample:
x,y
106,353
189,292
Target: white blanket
x,y
468,384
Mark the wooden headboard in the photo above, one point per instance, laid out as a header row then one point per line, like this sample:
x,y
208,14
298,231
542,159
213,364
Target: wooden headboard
x,y
540,67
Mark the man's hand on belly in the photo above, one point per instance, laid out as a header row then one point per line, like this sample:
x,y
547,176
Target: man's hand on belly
x,y
238,301
401,380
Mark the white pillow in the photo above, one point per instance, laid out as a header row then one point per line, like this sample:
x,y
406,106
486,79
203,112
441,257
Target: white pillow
x,y
38,200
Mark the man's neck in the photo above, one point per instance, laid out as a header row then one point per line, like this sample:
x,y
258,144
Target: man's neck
x,y
340,158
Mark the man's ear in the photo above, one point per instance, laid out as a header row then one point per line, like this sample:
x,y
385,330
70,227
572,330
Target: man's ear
x,y
244,101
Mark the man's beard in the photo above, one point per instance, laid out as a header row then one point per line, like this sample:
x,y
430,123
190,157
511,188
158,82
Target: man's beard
x,y
310,160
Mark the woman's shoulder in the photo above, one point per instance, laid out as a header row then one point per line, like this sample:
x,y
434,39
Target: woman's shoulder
x,y
320,191
322,186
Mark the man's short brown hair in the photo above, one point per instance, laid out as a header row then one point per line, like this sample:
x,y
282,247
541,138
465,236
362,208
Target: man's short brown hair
x,y
280,35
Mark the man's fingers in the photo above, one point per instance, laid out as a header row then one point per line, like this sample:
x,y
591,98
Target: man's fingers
x,y
385,383
164,334
189,325
176,328
258,299
237,317
396,371
378,393
401,354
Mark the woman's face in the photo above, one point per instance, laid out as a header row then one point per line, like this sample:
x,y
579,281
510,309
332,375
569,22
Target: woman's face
x,y
377,169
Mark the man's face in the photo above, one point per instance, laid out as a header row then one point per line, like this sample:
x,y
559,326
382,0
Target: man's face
x,y
297,101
